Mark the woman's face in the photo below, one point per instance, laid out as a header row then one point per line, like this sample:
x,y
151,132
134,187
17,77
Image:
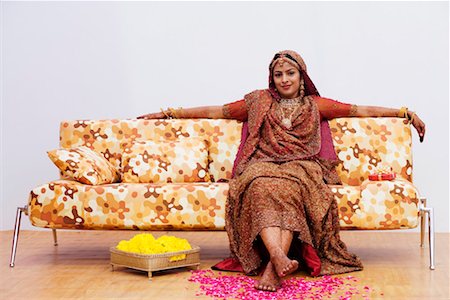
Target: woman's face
x,y
287,80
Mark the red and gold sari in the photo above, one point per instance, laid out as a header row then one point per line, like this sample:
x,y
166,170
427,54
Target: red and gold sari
x,y
280,180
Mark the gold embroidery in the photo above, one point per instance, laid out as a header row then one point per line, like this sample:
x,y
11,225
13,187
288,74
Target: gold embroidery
x,y
353,110
226,111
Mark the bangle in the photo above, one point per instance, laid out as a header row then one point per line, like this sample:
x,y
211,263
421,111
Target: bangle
x,y
166,114
174,112
403,112
412,117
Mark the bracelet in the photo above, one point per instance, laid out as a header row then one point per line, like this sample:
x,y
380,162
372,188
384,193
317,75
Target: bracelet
x,y
174,112
166,114
403,112
412,117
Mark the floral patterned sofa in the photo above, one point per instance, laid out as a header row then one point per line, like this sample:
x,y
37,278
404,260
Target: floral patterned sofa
x,y
362,145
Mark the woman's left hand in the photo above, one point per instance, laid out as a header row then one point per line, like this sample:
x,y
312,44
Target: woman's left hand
x,y
419,125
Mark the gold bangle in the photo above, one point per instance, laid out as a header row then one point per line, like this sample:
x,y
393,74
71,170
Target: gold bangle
x,y
403,112
166,113
174,112
412,117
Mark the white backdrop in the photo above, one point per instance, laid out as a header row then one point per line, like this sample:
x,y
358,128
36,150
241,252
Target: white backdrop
x,y
87,60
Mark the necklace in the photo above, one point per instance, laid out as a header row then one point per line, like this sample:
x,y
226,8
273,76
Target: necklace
x,y
290,105
290,102
287,120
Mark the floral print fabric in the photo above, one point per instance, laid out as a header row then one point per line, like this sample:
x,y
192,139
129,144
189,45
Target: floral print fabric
x,y
84,165
108,136
135,206
362,144
365,144
198,206
181,161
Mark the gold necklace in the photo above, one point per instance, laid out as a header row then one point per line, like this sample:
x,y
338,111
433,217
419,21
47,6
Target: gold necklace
x,y
289,104
287,120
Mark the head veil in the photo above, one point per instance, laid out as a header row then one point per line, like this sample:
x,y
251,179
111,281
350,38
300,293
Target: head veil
x,y
296,60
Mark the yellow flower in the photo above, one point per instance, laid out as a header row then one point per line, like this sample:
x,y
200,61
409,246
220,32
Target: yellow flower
x,y
145,243
174,244
123,245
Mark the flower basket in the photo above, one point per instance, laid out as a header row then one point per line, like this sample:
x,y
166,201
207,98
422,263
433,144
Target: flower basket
x,y
154,262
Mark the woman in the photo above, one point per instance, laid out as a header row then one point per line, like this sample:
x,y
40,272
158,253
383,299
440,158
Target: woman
x,y
279,209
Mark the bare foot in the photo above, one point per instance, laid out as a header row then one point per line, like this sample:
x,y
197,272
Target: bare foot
x,y
283,265
269,280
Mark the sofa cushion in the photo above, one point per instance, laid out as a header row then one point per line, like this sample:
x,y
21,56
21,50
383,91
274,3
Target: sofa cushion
x,y
169,206
364,144
195,206
378,205
106,136
360,143
185,160
84,165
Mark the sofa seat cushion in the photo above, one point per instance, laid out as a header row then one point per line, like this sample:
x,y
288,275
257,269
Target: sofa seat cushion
x,y
201,206
378,205
168,206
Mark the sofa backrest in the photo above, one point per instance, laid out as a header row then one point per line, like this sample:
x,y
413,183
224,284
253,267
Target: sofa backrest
x,y
107,136
362,144
365,144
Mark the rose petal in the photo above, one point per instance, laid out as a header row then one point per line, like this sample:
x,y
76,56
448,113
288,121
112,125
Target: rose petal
x,y
242,287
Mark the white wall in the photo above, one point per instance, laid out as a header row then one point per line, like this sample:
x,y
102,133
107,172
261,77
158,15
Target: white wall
x,y
87,60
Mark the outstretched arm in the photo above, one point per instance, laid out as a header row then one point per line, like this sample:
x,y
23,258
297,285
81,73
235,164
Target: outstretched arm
x,y
330,109
376,111
236,110
202,112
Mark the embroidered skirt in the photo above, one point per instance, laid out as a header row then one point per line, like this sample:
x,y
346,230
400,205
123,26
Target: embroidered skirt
x,y
292,196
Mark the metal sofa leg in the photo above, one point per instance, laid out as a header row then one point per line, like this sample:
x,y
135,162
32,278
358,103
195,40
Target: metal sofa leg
x,y
19,212
429,211
55,238
431,238
423,202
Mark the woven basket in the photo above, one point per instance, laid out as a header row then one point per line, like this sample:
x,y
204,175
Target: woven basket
x,y
154,262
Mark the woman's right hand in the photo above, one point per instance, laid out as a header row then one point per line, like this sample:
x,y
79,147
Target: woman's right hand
x,y
158,115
